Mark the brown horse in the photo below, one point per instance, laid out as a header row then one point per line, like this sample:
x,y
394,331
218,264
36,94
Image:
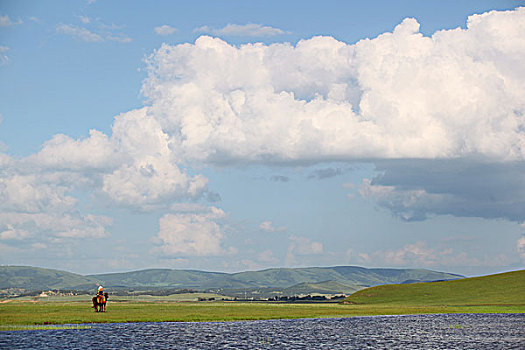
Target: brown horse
x,y
99,302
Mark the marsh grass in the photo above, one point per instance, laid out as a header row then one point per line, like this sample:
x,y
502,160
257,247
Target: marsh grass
x,y
43,327
456,326
17,313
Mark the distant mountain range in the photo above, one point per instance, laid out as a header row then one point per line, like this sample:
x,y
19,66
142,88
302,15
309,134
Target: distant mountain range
x,y
338,279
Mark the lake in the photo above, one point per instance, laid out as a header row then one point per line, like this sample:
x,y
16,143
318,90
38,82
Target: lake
x,y
449,331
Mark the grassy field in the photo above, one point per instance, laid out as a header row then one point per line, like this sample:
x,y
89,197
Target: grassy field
x,y
54,312
501,289
122,298
501,293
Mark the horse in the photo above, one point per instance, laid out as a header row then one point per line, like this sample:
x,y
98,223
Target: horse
x,y
99,302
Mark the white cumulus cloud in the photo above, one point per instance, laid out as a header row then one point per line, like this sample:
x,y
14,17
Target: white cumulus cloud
x,y
32,194
195,234
458,93
40,207
52,227
135,167
148,175
63,152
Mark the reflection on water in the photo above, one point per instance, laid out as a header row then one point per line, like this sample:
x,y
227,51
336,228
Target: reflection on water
x,y
453,331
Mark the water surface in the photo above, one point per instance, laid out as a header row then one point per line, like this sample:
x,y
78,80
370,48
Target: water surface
x,y
449,331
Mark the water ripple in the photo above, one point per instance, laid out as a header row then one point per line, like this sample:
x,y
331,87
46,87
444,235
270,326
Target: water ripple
x,y
450,331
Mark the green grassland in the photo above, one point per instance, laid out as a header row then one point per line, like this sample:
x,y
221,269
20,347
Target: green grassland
x,y
501,289
38,313
502,293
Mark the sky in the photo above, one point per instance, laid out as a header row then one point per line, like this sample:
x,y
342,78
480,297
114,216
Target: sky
x,y
244,135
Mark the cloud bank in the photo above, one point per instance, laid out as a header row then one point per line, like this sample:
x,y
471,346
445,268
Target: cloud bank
x,y
416,189
457,96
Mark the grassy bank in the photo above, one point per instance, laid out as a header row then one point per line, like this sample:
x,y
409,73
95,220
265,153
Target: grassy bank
x,y
38,313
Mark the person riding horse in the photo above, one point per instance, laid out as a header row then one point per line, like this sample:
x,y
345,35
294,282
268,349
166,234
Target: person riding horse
x,y
99,301
100,295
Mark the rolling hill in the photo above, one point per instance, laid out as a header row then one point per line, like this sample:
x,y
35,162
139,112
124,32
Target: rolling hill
x,y
35,278
276,277
351,277
499,289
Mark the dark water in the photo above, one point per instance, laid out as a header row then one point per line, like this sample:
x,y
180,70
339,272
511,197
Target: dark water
x,y
454,331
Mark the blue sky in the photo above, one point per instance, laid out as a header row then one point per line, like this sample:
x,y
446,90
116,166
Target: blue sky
x,y
239,135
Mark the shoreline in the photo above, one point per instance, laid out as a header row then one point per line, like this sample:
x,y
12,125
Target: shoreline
x,y
80,326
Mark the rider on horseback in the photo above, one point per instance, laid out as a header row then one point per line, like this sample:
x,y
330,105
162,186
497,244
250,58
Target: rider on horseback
x,y
99,301
100,294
